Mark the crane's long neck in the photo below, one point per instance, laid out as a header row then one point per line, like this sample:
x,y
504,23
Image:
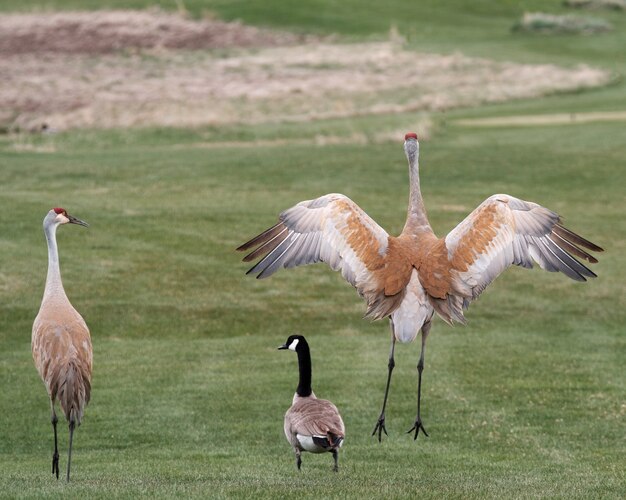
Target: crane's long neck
x,y
416,220
54,285
304,364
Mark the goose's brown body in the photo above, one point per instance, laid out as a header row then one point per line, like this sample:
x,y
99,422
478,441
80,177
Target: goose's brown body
x,y
310,418
311,424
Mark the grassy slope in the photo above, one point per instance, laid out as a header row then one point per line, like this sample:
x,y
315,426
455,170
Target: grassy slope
x,y
188,388
189,391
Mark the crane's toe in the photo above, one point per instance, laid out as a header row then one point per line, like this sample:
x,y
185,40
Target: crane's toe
x,y
380,427
417,426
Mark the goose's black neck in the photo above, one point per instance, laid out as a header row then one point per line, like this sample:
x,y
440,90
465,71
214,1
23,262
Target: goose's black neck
x,y
304,364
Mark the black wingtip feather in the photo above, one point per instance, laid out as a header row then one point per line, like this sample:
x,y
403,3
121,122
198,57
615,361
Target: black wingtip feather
x,y
571,248
575,238
257,240
268,245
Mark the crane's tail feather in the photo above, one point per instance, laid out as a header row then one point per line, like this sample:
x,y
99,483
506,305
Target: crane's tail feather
x,y
450,309
74,392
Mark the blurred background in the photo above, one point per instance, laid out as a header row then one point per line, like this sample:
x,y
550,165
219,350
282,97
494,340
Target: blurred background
x,y
180,129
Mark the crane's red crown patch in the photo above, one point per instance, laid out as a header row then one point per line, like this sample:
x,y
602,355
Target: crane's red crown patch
x,y
410,135
59,210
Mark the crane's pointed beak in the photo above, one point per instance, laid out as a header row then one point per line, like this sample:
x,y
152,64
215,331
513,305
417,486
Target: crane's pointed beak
x,y
284,346
74,220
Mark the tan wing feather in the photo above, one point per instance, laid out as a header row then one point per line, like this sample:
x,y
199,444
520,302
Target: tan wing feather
x,y
505,231
334,229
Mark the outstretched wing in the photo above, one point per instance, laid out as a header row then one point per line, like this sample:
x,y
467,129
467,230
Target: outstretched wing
x,y
504,231
331,229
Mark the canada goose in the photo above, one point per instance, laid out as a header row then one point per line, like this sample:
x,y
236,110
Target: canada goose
x,y
311,424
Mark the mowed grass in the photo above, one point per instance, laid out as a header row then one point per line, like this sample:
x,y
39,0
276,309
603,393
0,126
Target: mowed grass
x,y
189,389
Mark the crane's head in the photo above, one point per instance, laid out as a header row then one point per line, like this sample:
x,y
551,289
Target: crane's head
x,y
58,216
411,147
293,342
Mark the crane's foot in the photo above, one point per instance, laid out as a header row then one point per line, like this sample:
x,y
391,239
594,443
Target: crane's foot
x,y
380,427
417,426
55,464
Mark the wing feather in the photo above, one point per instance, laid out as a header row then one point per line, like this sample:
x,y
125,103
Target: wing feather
x,y
505,231
274,240
331,229
572,249
575,238
265,236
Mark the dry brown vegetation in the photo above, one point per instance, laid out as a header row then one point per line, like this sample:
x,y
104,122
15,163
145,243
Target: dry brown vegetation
x,y
104,32
110,69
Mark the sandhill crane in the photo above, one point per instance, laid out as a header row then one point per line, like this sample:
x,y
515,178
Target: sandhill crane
x,y
311,424
410,277
61,342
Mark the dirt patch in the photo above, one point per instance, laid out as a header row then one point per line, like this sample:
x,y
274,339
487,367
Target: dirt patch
x,y
105,32
166,87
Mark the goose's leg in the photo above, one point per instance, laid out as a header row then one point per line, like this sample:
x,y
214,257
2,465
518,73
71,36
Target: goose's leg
x,y
55,455
380,425
298,459
420,367
335,458
69,456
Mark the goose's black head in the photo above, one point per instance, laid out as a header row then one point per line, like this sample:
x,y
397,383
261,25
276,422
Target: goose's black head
x,y
294,343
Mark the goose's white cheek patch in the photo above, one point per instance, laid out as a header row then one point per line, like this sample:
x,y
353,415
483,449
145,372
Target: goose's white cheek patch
x,y
293,345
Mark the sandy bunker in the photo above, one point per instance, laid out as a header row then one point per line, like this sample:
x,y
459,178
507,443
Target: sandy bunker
x,y
124,68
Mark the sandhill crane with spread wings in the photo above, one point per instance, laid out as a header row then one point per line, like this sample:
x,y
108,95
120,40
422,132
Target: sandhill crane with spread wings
x,y
61,342
410,277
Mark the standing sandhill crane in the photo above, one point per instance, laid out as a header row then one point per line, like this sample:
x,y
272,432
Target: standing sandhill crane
x,y
410,277
61,342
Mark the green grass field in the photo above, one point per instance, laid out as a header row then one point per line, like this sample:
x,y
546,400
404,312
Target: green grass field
x,y
189,390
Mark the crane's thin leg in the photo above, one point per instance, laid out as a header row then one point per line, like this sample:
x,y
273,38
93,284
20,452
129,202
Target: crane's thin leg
x,y
420,367
69,456
55,455
380,425
336,458
298,459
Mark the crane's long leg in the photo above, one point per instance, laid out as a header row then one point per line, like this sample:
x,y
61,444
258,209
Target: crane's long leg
x,y
55,455
380,425
69,456
420,367
335,458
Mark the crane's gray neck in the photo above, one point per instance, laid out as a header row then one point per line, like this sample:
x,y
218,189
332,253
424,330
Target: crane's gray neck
x,y
54,285
304,364
416,220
